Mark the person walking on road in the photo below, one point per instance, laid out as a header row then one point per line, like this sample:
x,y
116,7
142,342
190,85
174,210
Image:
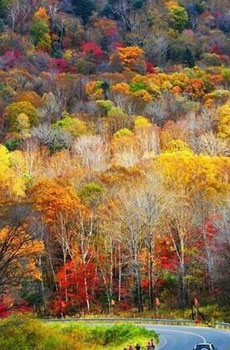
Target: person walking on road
x,y
152,344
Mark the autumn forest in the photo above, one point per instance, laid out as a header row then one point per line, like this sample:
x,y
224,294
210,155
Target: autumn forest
x,y
114,155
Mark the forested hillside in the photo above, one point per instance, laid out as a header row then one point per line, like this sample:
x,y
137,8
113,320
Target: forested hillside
x,y
114,154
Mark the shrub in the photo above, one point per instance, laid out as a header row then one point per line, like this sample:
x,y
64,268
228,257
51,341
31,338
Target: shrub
x,y
21,333
211,59
123,132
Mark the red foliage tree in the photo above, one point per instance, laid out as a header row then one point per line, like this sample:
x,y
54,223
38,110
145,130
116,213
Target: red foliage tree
x,y
60,65
216,49
90,48
4,312
9,59
74,284
150,68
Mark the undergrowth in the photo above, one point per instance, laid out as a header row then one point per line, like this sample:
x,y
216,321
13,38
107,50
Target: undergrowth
x,y
20,332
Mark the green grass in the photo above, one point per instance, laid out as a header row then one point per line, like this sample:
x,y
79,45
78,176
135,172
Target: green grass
x,y
26,333
109,337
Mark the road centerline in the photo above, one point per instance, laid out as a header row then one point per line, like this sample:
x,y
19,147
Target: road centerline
x,y
186,332
164,344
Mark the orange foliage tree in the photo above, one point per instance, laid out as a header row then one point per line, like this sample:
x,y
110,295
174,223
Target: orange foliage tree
x,y
130,58
19,251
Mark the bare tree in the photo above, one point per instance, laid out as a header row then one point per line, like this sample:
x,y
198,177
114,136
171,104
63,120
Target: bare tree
x,y
139,28
93,152
211,145
156,48
53,7
132,238
34,157
15,8
122,9
179,226
150,204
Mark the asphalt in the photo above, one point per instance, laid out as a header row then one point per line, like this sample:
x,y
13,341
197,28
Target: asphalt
x,y
185,338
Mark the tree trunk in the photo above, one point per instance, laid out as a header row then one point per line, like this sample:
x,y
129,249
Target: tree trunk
x,y
42,285
86,288
150,277
182,293
65,276
86,294
139,289
111,275
119,273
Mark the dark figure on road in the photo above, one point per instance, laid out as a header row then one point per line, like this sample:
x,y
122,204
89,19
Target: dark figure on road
x,y
152,344
137,347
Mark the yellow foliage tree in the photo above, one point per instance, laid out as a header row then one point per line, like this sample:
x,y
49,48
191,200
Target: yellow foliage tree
x,y
12,181
191,174
23,124
223,119
177,145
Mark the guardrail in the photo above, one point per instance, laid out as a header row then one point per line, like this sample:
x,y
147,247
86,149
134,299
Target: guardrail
x,y
160,321
172,322
222,325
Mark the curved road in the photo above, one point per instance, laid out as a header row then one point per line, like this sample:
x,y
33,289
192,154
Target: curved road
x,y
184,338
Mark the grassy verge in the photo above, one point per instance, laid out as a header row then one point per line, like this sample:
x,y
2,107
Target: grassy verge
x,y
212,311
25,333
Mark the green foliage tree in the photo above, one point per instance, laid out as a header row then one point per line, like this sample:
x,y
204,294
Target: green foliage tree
x,y
23,107
91,193
226,76
181,52
38,30
105,106
180,17
75,126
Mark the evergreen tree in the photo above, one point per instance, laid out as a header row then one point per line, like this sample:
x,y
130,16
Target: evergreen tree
x,y
189,57
2,9
83,8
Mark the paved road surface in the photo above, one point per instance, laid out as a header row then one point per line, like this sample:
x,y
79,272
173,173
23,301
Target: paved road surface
x,y
184,338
